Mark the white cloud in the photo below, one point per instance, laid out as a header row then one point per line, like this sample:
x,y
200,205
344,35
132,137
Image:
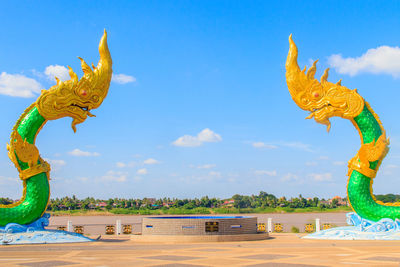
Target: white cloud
x,y
383,59
57,162
263,172
123,78
120,164
151,161
188,141
142,171
208,136
295,145
263,145
215,174
311,163
205,136
206,166
290,177
79,153
8,180
83,179
58,71
211,176
115,176
323,158
339,163
321,177
298,145
18,85
388,169
125,165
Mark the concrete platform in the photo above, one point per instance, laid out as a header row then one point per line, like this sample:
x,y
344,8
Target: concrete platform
x,y
280,250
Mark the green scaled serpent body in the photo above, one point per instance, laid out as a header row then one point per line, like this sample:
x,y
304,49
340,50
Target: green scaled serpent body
x,y
36,189
73,98
359,187
324,100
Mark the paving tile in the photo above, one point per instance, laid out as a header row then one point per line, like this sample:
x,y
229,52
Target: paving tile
x,y
46,263
178,265
383,258
279,264
171,258
286,250
210,249
265,256
222,261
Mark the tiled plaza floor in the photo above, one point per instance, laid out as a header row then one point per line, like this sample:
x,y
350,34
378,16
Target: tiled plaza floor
x,y
280,250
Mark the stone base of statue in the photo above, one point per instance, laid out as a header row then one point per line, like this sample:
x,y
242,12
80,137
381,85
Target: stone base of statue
x,y
35,233
361,229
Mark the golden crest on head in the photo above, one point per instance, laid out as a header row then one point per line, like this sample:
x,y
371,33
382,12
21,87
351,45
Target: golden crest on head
x,y
322,98
75,98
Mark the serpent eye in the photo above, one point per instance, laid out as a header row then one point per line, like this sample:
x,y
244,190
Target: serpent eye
x,y
315,94
83,93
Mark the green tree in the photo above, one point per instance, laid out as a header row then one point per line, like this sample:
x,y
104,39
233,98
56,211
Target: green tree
x,y
5,201
334,203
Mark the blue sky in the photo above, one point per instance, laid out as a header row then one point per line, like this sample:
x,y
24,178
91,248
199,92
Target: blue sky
x,y
199,103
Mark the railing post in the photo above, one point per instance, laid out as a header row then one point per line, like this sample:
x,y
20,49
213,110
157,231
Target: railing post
x,y
118,227
269,226
317,225
69,226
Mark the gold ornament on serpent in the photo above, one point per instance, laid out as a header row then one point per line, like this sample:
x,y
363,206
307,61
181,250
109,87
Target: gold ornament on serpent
x,y
322,98
19,149
369,152
75,98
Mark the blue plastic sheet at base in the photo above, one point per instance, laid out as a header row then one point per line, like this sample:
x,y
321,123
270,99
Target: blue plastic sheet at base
x,y
35,233
362,229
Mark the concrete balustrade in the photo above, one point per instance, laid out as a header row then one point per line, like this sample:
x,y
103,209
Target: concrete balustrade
x,y
230,225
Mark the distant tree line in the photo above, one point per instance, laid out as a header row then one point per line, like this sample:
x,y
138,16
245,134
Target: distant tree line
x,y
262,200
391,198
5,201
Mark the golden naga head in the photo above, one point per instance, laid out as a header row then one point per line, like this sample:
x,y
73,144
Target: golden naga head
x,y
75,98
323,99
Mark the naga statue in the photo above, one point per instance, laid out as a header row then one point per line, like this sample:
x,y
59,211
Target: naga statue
x,y
73,98
325,100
